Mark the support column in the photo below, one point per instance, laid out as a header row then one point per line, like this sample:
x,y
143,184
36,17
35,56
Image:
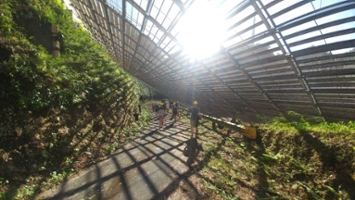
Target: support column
x,y
55,41
214,125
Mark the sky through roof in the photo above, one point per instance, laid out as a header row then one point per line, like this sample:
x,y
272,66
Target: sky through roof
x,y
247,56
203,24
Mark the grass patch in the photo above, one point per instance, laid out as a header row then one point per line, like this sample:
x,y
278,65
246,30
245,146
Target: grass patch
x,y
290,160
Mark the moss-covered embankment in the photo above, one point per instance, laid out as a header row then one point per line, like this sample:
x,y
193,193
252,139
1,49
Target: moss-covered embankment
x,y
63,101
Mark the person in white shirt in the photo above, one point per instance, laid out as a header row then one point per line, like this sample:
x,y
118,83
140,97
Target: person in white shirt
x,y
167,104
161,113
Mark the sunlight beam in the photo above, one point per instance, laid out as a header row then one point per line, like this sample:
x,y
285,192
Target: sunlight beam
x,y
203,28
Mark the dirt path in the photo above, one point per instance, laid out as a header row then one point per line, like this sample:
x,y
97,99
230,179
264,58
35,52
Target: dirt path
x,y
155,166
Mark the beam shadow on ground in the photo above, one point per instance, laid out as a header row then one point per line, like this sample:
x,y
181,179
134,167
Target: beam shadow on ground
x,y
152,166
142,169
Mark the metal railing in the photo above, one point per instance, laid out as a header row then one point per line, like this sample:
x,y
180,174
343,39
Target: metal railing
x,y
247,131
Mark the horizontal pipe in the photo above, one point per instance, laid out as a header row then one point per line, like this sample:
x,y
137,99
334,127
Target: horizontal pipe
x,y
249,132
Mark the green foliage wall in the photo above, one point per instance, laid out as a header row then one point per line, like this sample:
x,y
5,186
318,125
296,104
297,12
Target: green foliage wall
x,y
33,81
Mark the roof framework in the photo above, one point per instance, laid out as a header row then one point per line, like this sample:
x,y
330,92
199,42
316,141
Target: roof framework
x,y
269,64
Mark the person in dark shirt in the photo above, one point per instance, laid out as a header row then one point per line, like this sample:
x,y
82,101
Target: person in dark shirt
x,y
195,115
175,112
156,110
179,113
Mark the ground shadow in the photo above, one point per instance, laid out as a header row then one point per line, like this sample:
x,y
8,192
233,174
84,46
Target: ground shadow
x,y
161,149
191,150
149,134
262,188
146,145
171,125
331,163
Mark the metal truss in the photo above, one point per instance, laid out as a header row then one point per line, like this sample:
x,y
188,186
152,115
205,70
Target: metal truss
x,y
275,59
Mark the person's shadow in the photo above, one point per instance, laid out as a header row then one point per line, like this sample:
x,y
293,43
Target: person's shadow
x,y
191,150
171,125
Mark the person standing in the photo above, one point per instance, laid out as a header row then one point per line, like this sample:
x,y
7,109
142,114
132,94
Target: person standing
x,y
195,115
167,106
177,105
175,112
153,106
161,113
156,110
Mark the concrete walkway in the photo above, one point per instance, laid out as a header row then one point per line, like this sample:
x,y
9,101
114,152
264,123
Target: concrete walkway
x,y
149,167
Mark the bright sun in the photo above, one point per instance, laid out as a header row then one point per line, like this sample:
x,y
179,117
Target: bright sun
x,y
202,30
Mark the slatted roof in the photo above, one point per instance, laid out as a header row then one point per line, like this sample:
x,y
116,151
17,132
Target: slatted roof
x,y
275,56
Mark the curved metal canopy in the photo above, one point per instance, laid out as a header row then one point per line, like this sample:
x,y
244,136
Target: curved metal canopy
x,y
275,56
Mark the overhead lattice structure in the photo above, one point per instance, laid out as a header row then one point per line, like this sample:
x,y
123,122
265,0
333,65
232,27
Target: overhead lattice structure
x,y
269,57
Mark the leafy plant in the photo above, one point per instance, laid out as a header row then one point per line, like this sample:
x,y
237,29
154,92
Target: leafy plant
x,y
37,86
314,194
109,149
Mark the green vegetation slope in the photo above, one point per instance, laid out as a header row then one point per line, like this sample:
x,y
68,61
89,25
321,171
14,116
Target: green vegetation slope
x,y
57,114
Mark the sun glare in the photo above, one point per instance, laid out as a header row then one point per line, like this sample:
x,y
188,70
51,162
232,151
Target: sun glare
x,y
202,29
